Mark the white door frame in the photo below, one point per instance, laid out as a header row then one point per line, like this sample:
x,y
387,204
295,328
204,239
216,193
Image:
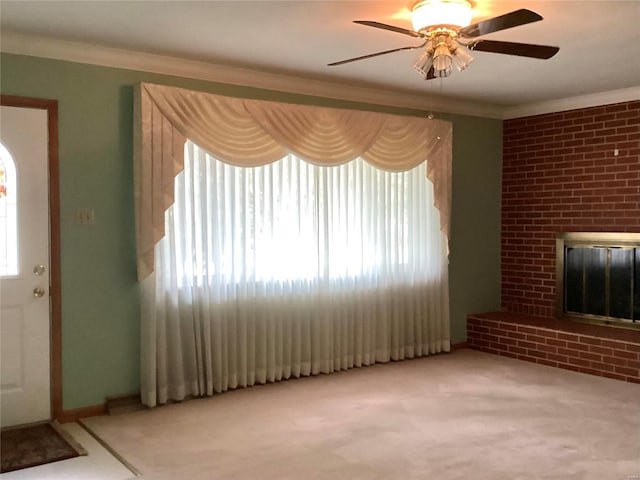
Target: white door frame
x,y
55,290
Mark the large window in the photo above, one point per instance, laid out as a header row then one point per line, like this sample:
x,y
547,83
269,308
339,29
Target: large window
x,y
311,240
294,221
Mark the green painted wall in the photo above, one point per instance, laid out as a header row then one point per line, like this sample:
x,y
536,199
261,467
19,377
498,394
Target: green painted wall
x,y
100,306
474,269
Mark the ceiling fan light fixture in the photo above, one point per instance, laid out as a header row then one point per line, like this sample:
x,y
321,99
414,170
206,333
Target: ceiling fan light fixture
x,y
462,58
442,61
448,36
425,61
430,13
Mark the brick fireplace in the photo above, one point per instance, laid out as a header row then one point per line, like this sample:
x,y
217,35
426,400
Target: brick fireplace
x,y
561,174
572,171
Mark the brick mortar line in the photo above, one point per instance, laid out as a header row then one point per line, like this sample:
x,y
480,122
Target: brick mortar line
x,y
558,364
567,352
574,353
576,361
558,331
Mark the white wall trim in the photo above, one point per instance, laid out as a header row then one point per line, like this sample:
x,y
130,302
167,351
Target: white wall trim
x,y
573,103
30,45
23,44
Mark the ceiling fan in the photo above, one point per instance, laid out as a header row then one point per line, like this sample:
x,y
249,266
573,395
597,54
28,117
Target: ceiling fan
x,y
445,26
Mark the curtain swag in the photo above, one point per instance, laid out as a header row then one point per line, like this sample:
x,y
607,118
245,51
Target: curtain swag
x,y
250,133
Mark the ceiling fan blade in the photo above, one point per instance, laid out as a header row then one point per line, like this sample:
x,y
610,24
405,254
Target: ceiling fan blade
x,y
391,28
349,60
495,24
511,48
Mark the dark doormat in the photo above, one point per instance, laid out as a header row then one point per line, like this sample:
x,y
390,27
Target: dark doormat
x,y
33,445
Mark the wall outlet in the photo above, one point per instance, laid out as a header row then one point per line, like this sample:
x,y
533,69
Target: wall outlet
x,y
85,216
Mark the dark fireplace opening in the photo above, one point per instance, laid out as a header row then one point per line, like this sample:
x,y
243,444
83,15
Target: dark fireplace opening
x,y
598,278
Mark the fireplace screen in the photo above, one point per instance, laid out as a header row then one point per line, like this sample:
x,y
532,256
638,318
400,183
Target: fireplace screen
x,y
598,278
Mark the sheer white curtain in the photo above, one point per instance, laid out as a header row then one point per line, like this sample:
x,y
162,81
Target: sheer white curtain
x,y
292,269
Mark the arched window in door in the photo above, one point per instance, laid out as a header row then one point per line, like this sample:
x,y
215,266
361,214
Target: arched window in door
x,y
8,215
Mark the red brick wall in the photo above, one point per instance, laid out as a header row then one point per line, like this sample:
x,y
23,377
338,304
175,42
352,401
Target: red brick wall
x,y
560,174
580,352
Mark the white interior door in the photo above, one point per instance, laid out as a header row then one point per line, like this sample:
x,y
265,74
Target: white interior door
x,y
25,394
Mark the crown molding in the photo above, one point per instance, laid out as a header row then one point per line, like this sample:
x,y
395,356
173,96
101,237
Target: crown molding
x,y
36,46
573,103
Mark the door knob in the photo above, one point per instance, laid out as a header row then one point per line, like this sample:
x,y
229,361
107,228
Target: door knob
x,y
38,270
38,292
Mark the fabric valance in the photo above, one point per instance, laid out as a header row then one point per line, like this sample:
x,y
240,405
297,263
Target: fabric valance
x,y
250,133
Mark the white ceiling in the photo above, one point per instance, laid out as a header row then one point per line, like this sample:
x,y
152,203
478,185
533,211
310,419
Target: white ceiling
x,y
599,42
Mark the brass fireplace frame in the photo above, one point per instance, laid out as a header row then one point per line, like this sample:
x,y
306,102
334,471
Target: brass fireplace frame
x,y
592,240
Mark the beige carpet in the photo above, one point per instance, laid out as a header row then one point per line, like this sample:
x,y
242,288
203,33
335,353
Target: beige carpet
x,y
466,415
